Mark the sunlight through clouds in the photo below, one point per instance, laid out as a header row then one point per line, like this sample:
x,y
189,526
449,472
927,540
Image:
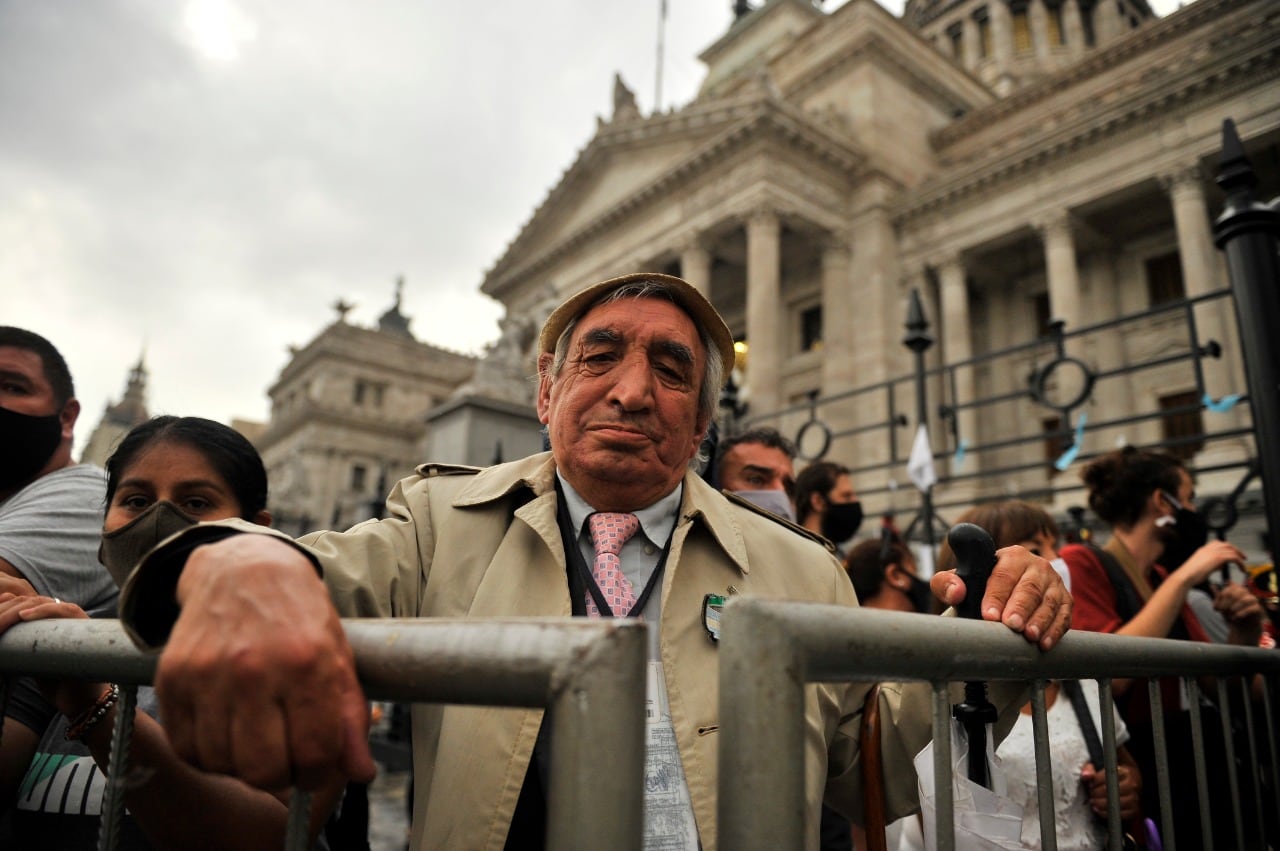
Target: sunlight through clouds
x,y
217,29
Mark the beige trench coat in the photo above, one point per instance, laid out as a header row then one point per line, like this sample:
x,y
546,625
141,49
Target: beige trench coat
x,y
451,546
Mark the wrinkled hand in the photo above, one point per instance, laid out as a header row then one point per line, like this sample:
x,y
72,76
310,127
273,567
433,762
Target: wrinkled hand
x,y
1024,593
1129,780
258,680
1206,560
1243,612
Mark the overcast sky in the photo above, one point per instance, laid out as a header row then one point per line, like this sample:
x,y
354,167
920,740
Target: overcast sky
x,y
200,180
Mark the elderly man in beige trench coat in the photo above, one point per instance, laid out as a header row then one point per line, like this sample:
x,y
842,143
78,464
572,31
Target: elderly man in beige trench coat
x,y
258,681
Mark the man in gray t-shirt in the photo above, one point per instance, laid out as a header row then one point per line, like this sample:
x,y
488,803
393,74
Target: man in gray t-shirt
x,y
50,517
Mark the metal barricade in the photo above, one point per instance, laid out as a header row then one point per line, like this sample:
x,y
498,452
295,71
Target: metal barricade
x,y
589,674
769,650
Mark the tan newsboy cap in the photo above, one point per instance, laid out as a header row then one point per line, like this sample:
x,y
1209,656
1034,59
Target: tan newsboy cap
x,y
689,299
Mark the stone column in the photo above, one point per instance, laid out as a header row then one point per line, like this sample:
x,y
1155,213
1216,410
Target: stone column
x,y
838,371
1002,45
764,311
1038,16
1201,274
957,345
1060,267
695,265
1073,28
972,43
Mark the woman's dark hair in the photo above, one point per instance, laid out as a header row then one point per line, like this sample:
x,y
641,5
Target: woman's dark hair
x,y
1006,522
226,449
816,478
868,560
1120,482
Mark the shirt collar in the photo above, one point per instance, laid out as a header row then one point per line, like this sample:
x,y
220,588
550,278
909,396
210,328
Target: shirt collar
x,y
656,521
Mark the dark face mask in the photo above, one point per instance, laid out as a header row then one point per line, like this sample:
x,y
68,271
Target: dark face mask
x,y
121,549
841,520
921,595
1186,532
27,443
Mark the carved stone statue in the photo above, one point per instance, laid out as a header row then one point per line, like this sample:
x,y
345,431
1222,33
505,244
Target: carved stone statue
x,y
624,101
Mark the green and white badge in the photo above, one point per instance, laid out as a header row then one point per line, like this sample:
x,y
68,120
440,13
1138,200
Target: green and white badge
x,y
712,606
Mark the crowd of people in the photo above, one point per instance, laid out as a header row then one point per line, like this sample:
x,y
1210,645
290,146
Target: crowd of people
x,y
256,691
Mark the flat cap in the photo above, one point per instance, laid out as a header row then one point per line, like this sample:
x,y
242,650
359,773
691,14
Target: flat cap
x,y
683,293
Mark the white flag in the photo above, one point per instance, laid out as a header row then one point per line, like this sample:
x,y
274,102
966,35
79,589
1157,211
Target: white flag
x,y
920,464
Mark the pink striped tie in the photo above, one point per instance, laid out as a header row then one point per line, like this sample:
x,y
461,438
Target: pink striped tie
x,y
609,531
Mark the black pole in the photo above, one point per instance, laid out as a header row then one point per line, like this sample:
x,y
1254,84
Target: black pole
x,y
1248,231
975,557
918,340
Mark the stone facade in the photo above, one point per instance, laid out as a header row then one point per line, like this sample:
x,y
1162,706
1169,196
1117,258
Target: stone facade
x,y
348,419
1017,161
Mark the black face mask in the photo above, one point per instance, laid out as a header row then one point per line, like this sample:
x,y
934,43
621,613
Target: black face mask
x,y
921,595
1183,533
841,520
27,443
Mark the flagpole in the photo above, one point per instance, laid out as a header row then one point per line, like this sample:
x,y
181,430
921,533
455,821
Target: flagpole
x,y
918,340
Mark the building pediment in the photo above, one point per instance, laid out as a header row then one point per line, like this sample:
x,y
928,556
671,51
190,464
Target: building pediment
x,y
626,168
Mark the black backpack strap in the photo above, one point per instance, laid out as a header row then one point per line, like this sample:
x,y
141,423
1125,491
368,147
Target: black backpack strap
x,y
1128,603
1091,739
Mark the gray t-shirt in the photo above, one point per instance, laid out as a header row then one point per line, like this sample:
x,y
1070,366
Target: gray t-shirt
x,y
50,531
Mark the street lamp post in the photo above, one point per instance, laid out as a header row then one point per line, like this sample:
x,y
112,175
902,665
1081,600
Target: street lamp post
x,y
918,340
1248,232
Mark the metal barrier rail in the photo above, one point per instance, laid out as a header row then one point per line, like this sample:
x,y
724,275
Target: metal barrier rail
x,y
769,650
589,674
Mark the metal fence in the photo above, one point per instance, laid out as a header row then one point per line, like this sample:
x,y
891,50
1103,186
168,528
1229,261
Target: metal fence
x,y
769,650
590,675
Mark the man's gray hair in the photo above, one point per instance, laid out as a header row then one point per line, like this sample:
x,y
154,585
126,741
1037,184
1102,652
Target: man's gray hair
x,y
712,374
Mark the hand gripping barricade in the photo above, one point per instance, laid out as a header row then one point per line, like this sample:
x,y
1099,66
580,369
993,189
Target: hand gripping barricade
x,y
590,675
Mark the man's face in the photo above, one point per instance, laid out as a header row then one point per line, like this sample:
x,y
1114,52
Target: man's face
x,y
756,467
623,412
25,390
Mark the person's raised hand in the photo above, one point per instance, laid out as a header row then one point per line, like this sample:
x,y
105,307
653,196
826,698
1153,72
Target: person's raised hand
x,y
1206,560
257,680
1024,593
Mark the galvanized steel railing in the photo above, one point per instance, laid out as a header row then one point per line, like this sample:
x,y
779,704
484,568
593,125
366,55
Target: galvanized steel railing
x,y
769,650
589,674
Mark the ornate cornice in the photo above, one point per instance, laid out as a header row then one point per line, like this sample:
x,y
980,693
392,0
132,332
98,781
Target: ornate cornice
x,y
1244,57
1145,39
767,121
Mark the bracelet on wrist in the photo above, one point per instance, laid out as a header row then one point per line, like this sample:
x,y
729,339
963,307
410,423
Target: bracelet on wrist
x,y
87,720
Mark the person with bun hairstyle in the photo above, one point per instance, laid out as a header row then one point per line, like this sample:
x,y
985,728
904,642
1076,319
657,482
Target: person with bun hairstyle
x,y
1137,584
167,474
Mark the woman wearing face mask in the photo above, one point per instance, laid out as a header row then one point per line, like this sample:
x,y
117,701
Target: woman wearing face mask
x,y
826,502
1080,787
167,473
1137,585
884,575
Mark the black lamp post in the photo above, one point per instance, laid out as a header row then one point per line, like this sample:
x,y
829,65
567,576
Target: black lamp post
x,y
918,340
1248,232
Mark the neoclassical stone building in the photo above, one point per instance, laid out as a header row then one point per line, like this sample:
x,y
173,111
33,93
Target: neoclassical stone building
x,y
1016,161
348,419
